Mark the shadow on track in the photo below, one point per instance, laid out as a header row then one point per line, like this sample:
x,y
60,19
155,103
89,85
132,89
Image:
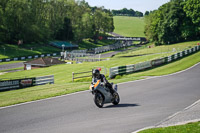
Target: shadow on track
x,y
123,105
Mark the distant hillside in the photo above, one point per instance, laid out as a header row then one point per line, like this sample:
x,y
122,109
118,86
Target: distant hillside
x,y
129,26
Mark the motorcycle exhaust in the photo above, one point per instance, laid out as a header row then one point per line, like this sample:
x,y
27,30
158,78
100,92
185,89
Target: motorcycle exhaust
x,y
115,87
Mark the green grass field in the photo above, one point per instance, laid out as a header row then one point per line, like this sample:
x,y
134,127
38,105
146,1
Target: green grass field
x,y
164,50
188,128
11,51
63,75
129,26
126,26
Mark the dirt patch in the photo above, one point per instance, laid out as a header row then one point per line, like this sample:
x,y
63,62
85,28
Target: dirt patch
x,y
2,73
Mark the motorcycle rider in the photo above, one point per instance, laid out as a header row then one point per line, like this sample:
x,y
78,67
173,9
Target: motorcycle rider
x,y
97,76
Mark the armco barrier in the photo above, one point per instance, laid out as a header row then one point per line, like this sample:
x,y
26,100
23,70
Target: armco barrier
x,y
117,45
27,57
158,62
120,70
142,66
44,80
25,82
129,68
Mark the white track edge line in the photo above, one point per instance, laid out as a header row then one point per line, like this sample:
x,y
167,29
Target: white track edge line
x,y
171,116
50,98
177,124
145,128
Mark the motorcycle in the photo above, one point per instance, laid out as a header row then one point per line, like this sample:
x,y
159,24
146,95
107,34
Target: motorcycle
x,y
103,95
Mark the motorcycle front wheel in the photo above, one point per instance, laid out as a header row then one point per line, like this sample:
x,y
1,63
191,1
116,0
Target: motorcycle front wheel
x,y
116,98
99,100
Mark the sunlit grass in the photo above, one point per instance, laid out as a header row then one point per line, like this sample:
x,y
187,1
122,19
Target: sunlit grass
x,y
63,75
129,26
11,51
187,128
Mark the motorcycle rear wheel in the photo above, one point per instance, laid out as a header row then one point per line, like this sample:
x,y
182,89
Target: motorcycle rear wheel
x,y
99,100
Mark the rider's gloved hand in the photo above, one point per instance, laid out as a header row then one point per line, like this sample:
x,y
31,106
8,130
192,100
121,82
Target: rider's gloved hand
x,y
102,84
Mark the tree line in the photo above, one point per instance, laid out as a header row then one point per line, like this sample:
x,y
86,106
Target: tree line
x,y
127,12
44,20
175,21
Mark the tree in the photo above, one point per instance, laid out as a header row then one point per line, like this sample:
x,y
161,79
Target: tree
x,y
146,13
3,5
65,33
192,8
132,12
16,20
138,14
169,24
44,20
127,12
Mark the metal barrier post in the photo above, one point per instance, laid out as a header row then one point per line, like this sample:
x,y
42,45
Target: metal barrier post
x,y
72,76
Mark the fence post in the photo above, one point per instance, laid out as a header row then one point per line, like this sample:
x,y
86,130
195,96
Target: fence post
x,y
72,76
53,79
99,57
92,72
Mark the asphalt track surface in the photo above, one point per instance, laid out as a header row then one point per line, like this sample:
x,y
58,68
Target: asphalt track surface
x,y
11,66
143,103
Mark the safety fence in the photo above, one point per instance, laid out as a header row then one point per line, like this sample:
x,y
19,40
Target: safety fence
x,y
81,57
13,84
87,59
27,57
90,54
117,45
72,55
106,48
120,70
79,51
121,38
44,80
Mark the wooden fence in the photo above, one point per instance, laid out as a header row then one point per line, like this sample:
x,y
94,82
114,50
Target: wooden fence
x,y
73,75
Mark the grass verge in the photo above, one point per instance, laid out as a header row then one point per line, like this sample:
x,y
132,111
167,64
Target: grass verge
x,y
187,128
63,87
11,51
10,62
129,26
13,69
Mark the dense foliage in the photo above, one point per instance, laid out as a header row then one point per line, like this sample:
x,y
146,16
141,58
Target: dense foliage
x,y
43,20
175,21
127,12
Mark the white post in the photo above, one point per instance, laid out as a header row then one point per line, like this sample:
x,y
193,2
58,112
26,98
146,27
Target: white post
x,y
63,47
99,57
